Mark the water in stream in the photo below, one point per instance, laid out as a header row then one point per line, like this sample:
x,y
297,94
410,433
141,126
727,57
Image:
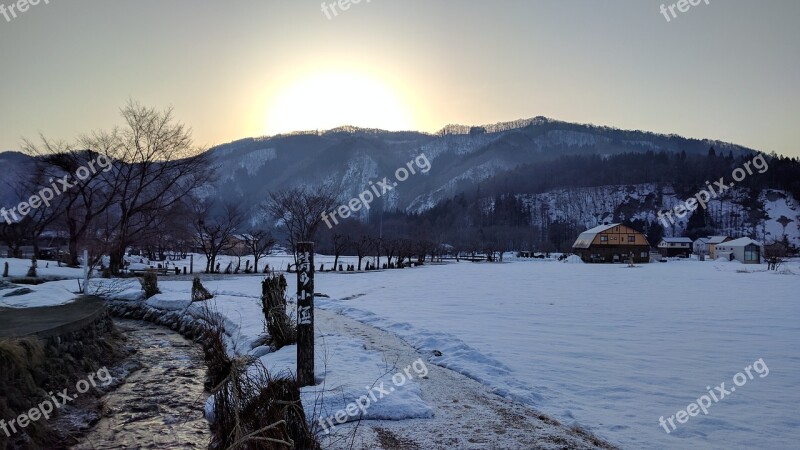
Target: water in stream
x,y
160,404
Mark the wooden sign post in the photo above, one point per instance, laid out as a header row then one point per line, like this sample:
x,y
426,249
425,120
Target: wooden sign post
x,y
305,314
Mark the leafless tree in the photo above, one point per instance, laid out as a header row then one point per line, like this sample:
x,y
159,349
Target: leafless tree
x,y
80,200
300,210
155,167
151,167
260,244
213,232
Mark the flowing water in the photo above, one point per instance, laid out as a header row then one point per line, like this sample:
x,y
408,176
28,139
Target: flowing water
x,y
160,403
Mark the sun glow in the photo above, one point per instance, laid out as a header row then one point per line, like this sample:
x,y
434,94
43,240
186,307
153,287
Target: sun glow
x,y
328,100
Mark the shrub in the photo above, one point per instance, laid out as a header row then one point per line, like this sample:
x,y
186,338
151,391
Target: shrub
x,y
150,284
281,330
32,269
199,292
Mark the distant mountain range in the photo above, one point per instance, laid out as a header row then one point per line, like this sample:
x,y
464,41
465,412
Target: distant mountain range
x,y
461,157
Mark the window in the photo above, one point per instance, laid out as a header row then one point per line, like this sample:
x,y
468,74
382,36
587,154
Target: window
x,y
603,238
631,238
751,253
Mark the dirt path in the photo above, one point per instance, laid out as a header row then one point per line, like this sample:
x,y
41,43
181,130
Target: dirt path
x,y
467,415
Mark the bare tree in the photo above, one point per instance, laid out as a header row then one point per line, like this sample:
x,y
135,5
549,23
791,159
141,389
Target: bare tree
x,y
213,233
155,168
300,210
260,244
151,166
79,200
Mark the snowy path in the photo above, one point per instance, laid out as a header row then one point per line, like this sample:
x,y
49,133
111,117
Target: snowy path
x,y
466,413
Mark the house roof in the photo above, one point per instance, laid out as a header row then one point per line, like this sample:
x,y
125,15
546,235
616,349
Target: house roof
x,y
585,239
716,239
741,242
677,240
702,240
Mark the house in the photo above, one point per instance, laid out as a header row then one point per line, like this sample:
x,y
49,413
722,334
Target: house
x,y
713,241
744,250
700,246
612,243
675,246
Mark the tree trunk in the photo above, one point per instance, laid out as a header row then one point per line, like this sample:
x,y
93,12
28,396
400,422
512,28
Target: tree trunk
x,y
73,252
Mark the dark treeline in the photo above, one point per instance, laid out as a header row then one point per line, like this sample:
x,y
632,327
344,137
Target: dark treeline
x,y
685,172
491,217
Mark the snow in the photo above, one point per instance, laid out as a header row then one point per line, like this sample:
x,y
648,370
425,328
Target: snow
x,y
345,371
19,268
606,347
603,346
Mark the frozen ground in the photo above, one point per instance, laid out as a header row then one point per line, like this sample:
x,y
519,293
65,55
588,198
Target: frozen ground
x,y
431,407
609,348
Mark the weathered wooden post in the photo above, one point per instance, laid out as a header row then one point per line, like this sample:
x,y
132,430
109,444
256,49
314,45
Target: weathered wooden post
x,y
305,314
86,271
191,264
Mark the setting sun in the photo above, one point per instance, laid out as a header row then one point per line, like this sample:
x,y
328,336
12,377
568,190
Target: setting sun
x,y
328,100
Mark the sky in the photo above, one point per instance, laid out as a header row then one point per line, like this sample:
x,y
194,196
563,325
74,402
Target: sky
x,y
725,70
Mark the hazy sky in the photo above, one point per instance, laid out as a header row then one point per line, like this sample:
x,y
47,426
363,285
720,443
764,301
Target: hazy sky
x,y
728,70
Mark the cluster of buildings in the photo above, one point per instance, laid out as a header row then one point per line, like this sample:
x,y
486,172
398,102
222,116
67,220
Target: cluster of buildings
x,y
617,243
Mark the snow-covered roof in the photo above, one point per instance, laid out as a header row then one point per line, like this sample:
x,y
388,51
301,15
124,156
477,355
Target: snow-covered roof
x,y
716,239
677,240
741,242
701,240
585,239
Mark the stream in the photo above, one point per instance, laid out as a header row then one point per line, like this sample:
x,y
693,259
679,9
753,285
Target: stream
x,y
160,402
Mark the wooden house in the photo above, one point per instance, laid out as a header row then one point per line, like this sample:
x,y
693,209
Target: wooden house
x,y
613,243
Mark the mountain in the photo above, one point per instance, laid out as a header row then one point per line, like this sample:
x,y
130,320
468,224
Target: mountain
x,y
563,172
460,156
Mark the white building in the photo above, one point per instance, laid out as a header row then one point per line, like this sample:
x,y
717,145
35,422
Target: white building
x,y
711,245
744,250
700,246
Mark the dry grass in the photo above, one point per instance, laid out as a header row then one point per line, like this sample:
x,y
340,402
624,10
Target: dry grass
x,y
252,409
281,330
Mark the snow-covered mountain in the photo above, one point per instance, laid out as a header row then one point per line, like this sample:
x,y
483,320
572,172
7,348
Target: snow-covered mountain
x,y
459,155
462,157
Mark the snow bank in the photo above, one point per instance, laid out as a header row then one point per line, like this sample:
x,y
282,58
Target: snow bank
x,y
345,370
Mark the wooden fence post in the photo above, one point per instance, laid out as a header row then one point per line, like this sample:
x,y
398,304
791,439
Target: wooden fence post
x,y
305,314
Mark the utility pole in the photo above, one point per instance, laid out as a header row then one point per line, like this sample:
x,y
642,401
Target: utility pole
x,y
305,314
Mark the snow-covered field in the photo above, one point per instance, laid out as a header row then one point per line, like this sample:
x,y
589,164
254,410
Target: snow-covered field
x,y
607,347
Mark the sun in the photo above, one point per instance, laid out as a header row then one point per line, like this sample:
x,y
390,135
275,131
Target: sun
x,y
327,100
